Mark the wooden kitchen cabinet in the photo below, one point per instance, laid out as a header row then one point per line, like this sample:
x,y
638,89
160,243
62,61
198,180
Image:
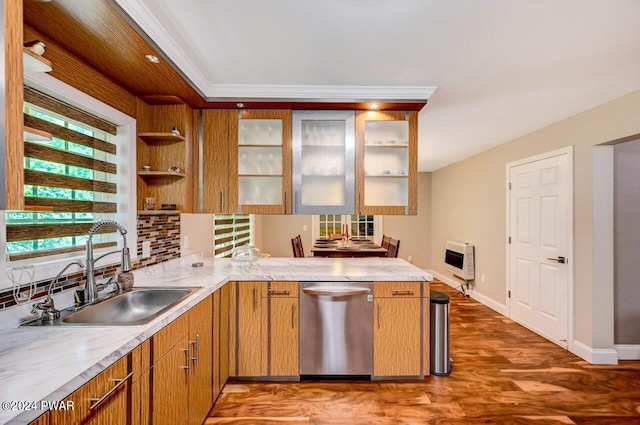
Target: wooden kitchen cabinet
x,y
106,399
160,149
283,329
386,163
247,161
181,378
267,340
397,333
252,316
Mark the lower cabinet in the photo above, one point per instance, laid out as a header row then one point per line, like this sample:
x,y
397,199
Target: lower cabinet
x,y
397,329
106,399
181,375
267,339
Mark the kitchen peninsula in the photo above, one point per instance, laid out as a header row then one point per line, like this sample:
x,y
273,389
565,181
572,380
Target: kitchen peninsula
x,y
52,362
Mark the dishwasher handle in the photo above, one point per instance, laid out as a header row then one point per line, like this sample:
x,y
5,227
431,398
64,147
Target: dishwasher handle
x,y
336,291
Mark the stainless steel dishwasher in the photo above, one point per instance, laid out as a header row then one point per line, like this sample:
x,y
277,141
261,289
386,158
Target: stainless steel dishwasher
x,y
336,330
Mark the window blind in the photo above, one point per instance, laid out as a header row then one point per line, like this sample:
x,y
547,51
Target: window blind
x,y
231,231
70,181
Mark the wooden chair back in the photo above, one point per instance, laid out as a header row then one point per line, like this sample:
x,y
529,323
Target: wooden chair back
x,y
296,245
394,247
385,241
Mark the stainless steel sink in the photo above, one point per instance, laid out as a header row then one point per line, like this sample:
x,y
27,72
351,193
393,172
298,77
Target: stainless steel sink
x,y
135,307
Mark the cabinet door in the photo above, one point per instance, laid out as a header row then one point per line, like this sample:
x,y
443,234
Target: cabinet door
x,y
225,334
283,331
397,337
387,162
218,164
261,147
251,348
323,162
216,346
201,378
171,386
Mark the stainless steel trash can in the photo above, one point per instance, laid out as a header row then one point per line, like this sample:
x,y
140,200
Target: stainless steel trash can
x,y
440,360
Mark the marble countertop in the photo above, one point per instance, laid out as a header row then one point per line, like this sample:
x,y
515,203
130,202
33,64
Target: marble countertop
x,y
49,363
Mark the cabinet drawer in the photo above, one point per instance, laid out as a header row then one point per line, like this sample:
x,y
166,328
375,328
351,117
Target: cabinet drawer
x,y
396,289
95,394
169,336
200,312
279,289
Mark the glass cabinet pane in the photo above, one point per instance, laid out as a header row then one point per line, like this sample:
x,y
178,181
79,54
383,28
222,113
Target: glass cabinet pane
x,y
386,133
260,190
323,161
260,160
260,132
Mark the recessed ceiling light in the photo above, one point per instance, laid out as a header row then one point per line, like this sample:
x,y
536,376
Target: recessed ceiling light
x,y
152,58
374,106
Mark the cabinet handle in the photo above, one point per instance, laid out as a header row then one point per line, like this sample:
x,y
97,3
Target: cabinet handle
x,y
279,291
401,292
255,298
222,200
196,350
293,315
378,315
295,202
119,382
359,202
285,201
189,358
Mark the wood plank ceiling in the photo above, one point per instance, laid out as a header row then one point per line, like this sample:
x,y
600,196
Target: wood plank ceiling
x,y
96,33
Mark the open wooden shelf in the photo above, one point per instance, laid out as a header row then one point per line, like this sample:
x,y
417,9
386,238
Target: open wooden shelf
x,y
34,135
158,212
35,63
159,137
160,174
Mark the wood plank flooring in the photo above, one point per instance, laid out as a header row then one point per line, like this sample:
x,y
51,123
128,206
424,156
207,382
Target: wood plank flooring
x,y
502,374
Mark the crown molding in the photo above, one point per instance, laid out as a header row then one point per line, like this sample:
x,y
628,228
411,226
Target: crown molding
x,y
320,93
158,36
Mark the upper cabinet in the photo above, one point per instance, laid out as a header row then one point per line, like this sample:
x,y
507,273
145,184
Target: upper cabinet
x,y
386,162
323,162
247,161
165,159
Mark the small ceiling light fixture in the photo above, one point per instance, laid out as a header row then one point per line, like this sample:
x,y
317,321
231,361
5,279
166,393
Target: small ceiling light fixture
x,y
374,106
240,105
152,58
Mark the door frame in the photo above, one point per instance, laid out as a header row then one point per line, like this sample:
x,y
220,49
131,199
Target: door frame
x,y
570,235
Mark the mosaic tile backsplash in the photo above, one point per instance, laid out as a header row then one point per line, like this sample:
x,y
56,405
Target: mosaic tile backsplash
x,y
161,230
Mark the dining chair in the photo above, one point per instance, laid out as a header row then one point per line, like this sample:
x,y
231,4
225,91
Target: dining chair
x,y
394,247
296,245
385,241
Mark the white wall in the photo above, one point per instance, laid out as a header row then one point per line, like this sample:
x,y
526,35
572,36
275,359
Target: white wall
x,y
468,202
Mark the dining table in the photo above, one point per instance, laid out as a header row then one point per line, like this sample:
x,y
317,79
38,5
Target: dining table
x,y
347,249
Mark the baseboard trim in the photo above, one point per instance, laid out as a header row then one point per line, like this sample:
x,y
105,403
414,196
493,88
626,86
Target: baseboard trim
x,y
628,351
594,355
481,298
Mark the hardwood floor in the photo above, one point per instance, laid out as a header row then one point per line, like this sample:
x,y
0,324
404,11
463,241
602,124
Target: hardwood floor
x,y
502,374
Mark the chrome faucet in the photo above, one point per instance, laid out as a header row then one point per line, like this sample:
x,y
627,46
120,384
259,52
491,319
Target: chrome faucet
x,y
91,288
49,311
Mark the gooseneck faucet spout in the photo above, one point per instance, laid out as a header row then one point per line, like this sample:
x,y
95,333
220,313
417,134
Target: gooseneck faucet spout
x,y
91,289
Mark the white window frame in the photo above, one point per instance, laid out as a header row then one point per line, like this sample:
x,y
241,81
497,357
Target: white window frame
x,y
47,267
378,223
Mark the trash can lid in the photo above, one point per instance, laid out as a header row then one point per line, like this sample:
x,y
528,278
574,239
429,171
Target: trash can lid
x,y
439,297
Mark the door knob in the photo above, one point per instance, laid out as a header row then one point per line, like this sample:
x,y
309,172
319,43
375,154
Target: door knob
x,y
560,260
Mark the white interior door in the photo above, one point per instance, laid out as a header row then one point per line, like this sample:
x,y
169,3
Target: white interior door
x,y
540,231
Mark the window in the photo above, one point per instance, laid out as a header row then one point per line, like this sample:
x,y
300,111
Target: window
x,y
70,181
231,231
364,226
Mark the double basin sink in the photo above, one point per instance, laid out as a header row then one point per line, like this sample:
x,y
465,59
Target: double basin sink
x,y
135,307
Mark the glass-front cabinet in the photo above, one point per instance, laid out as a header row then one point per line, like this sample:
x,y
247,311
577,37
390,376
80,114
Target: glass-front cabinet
x,y
386,162
264,161
323,162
